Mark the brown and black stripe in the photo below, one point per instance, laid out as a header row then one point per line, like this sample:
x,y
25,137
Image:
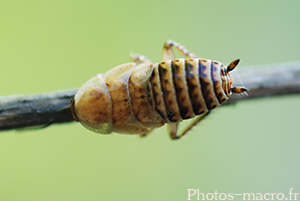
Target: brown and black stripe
x,y
183,88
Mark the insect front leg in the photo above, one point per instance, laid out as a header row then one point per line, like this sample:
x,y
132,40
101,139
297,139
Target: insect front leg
x,y
168,54
139,58
173,127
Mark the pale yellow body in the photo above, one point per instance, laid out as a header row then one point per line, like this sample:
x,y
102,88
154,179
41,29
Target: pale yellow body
x,y
110,102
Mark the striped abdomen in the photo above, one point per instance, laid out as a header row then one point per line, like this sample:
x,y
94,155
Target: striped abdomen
x,y
133,98
183,88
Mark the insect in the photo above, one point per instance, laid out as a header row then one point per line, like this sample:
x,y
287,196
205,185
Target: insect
x,y
137,97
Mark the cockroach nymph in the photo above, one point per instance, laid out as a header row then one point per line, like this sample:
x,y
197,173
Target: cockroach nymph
x,y
137,97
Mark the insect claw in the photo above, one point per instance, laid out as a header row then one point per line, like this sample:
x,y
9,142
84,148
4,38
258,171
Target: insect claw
x,y
232,65
239,90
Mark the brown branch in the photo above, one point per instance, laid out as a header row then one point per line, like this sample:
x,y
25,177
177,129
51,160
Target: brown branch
x,y
44,109
35,110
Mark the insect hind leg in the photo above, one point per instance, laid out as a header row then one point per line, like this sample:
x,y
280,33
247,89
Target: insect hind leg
x,y
168,54
173,127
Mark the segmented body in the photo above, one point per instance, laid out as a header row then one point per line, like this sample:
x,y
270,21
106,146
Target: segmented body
x,y
133,98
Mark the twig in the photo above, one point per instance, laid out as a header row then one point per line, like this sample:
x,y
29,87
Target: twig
x,y
44,109
35,110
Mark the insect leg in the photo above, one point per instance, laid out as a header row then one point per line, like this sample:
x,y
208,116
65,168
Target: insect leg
x,y
167,54
139,58
174,126
180,48
145,134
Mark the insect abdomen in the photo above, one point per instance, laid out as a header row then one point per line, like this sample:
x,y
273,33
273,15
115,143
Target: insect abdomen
x,y
183,88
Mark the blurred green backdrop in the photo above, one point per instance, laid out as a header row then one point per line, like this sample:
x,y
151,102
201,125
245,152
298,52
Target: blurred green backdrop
x,y
51,45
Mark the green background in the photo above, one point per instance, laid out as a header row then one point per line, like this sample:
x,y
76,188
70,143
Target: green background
x,y
52,45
